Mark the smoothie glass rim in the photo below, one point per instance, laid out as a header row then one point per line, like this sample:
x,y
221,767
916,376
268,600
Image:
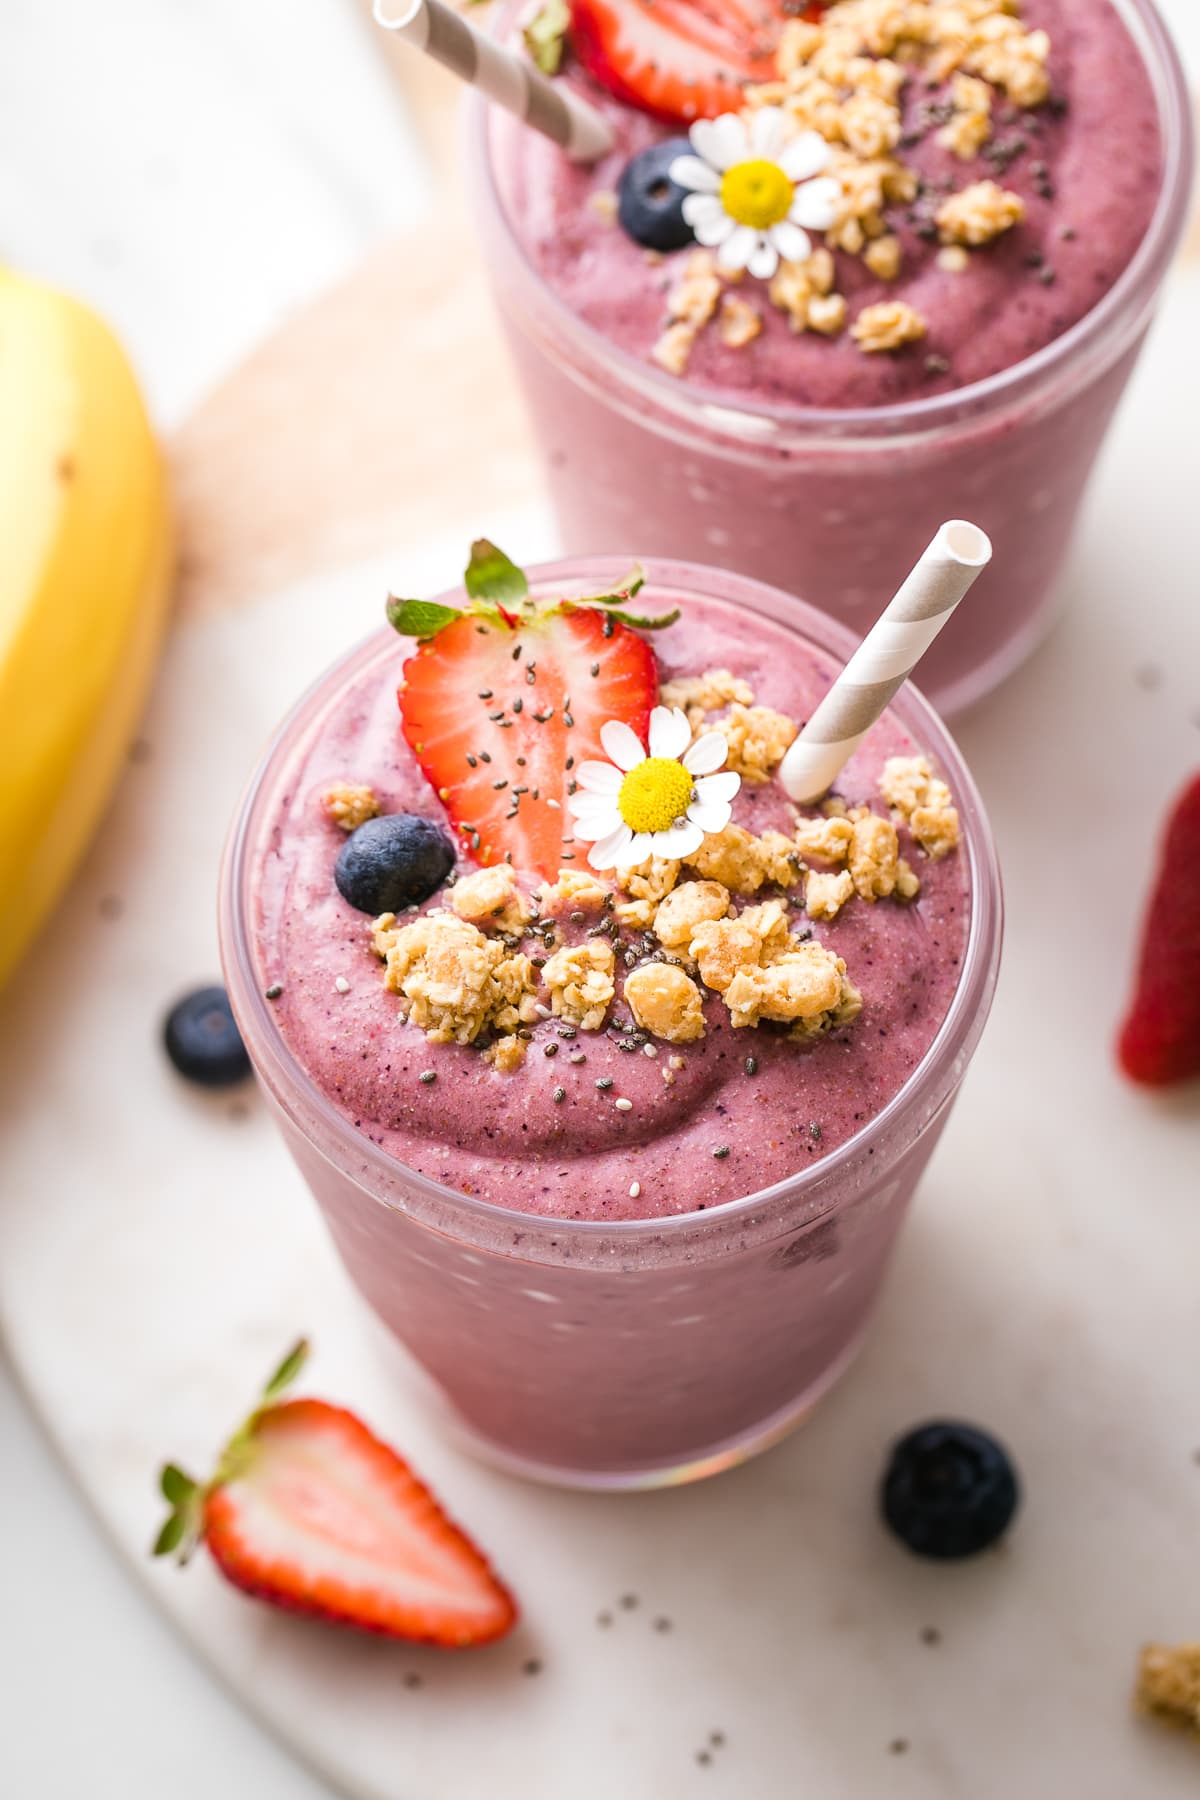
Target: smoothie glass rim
x,y
753,421
281,1069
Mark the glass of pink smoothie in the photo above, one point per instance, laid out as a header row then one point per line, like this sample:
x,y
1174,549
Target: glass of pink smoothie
x,y
614,1275
797,458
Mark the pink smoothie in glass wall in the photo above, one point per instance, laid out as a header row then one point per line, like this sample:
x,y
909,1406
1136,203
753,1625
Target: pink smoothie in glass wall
x,y
627,1260
799,456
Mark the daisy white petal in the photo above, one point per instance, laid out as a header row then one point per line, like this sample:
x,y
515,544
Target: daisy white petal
x,y
621,744
766,133
702,209
710,818
805,156
706,754
679,841
816,204
604,854
765,260
738,248
670,733
594,806
716,788
712,229
721,142
697,176
640,846
792,244
598,777
595,830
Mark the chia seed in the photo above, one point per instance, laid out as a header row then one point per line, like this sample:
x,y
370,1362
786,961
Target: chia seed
x,y
549,1049
559,1095
428,1077
721,1152
604,1083
274,991
751,1065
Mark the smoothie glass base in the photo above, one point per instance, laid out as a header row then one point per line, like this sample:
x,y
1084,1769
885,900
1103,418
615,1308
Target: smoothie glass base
x,y
627,1353
837,505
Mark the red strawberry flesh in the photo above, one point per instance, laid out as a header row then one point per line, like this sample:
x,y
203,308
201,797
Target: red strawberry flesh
x,y
321,1518
678,59
1159,1042
495,743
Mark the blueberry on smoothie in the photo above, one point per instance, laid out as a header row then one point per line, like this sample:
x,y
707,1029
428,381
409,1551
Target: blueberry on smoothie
x,y
393,862
950,1491
649,203
203,1041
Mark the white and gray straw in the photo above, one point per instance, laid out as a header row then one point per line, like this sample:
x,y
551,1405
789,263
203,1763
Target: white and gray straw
x,y
884,660
510,80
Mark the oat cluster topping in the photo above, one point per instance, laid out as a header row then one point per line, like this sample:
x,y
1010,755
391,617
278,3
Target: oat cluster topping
x,y
1168,1684
349,805
844,78
452,980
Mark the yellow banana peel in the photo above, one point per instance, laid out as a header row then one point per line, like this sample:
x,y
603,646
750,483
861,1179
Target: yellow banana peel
x,y
85,560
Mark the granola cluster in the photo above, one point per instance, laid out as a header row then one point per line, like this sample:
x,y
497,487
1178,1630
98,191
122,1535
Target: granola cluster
x,y
453,981
349,805
1168,1684
844,76
921,798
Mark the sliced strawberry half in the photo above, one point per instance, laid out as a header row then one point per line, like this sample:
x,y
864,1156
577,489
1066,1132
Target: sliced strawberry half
x,y
1159,1043
679,59
312,1513
498,710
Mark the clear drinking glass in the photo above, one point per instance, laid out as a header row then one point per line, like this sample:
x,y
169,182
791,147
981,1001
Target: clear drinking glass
x,y
639,1353
829,503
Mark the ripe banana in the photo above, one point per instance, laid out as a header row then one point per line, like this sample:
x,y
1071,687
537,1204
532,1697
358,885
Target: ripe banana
x,y
85,556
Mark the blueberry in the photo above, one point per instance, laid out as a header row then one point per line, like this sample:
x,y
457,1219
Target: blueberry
x,y
949,1491
393,862
649,203
203,1041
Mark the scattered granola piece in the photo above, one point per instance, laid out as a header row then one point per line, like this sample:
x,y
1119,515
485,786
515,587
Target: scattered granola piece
x,y
874,855
803,290
971,126
605,205
936,829
452,980
665,1002
739,323
979,213
721,948
491,897
349,805
506,1054
953,259
685,907
580,980
803,984
699,694
807,1030
576,890
908,782
781,861
826,894
649,883
888,325
735,858
908,882
757,738
825,840
1168,1684
883,257
827,314
673,350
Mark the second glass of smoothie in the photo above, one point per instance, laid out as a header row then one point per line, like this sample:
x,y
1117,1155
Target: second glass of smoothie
x,y
627,1261
788,451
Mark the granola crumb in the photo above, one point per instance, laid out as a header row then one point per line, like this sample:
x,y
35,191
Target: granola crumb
x,y
696,695
953,259
685,907
888,325
507,1053
605,205
1168,1684
722,948
648,883
826,894
883,257
805,983
936,829
576,890
908,882
451,980
979,213
909,785
673,350
736,858
757,738
738,323
665,1002
825,840
349,805
874,859
581,983
490,898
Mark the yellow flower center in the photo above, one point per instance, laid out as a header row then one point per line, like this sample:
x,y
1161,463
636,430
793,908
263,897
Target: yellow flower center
x,y
757,193
655,794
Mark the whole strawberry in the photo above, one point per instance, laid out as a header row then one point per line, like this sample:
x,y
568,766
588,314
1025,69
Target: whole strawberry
x,y
1159,1042
309,1511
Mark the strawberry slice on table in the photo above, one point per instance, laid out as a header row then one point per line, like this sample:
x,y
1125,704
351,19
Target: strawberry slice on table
x,y
503,700
1159,1043
679,59
309,1511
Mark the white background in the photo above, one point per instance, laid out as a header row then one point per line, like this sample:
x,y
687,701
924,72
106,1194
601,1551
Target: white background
x,y
195,168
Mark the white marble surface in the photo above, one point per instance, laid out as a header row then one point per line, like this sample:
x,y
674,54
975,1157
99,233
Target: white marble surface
x,y
197,170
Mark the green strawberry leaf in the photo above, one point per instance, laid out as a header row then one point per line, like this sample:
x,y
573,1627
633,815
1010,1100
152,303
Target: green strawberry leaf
x,y
625,590
171,1535
176,1487
419,618
640,622
493,576
287,1371
545,35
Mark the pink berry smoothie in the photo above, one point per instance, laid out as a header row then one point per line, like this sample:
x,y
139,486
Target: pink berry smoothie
x,y
799,458
700,1262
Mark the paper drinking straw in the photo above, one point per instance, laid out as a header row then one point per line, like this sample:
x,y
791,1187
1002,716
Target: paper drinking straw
x,y
884,660
510,80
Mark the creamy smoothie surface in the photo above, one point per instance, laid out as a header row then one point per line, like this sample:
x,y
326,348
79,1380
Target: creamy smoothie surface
x,y
991,188
730,1017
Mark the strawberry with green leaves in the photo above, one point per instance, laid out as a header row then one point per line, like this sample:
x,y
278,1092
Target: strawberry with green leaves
x,y
505,697
309,1511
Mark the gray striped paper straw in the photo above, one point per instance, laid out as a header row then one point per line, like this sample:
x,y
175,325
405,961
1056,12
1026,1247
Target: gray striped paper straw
x,y
884,660
508,79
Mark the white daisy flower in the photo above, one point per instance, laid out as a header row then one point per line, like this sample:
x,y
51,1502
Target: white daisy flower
x,y
661,804
751,194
